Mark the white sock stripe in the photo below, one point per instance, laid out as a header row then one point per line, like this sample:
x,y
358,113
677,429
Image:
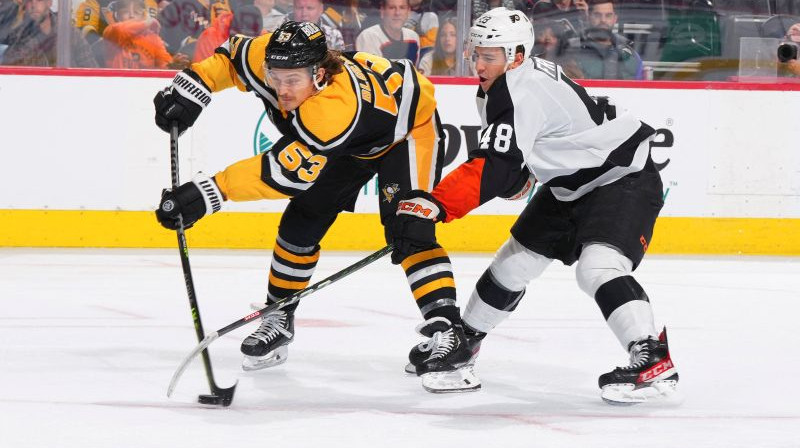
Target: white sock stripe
x,y
430,270
632,321
437,304
294,272
296,249
482,316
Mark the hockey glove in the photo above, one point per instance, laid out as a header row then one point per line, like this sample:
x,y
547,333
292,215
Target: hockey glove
x,y
192,201
414,227
181,102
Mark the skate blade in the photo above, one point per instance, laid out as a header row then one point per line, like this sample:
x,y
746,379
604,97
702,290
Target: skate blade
x,y
271,359
411,369
662,392
459,380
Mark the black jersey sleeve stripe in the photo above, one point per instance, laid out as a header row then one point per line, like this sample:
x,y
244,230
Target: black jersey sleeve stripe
x,y
622,156
596,112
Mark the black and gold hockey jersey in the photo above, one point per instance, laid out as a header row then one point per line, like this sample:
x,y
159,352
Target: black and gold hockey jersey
x,y
364,111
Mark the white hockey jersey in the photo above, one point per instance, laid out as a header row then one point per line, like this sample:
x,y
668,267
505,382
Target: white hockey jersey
x,y
536,119
567,139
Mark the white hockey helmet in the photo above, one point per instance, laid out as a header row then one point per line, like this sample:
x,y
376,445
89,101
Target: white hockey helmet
x,y
504,28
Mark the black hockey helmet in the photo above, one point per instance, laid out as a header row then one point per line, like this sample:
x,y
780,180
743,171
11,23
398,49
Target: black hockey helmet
x,y
296,45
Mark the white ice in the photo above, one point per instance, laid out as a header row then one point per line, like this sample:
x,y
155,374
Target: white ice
x,y
90,338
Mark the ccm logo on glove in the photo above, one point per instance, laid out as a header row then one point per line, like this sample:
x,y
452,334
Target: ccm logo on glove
x,y
419,207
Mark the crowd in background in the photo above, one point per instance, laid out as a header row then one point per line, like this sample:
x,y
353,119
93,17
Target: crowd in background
x,y
591,39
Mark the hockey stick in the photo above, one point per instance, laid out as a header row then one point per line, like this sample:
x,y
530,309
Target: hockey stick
x,y
201,347
218,396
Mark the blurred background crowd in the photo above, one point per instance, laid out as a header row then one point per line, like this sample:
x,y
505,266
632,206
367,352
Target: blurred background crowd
x,y
591,39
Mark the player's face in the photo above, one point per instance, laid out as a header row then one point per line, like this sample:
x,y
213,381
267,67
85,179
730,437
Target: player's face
x,y
394,14
293,86
490,64
307,10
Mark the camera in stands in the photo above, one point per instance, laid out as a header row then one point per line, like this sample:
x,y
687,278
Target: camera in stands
x,y
787,51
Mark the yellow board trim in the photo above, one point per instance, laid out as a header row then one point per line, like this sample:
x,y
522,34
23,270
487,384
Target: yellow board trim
x,y
446,282
478,233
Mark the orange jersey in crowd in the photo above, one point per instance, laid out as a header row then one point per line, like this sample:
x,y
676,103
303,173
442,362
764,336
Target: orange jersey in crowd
x,y
91,17
213,36
134,44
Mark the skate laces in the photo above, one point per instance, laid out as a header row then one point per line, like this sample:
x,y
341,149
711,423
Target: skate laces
x,y
271,325
639,354
440,344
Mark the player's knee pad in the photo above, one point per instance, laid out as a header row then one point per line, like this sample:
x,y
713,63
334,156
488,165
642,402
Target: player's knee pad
x,y
514,266
490,303
600,264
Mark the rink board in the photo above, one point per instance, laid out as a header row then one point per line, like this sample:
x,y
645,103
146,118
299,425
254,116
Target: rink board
x,y
82,174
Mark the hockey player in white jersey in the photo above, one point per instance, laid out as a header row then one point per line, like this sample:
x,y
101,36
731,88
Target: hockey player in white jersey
x,y
600,196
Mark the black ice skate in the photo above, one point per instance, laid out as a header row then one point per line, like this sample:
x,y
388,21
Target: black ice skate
x,y
443,361
422,350
651,374
268,345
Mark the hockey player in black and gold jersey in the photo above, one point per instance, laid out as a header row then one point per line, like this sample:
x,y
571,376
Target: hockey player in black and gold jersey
x,y
344,118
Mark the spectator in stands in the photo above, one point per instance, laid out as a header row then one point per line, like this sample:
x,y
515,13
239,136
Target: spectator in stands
x,y
349,16
481,6
271,18
442,60
311,11
791,68
424,22
133,42
604,54
284,6
390,38
93,16
33,41
182,21
244,20
576,11
10,18
552,37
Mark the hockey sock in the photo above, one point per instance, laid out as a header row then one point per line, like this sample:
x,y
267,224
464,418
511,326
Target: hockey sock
x,y
290,271
626,308
430,276
490,303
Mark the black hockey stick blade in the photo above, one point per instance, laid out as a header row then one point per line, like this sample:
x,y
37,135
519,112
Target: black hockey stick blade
x,y
211,337
219,397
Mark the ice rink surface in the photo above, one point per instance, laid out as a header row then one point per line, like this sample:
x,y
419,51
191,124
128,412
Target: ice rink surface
x,y
90,338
